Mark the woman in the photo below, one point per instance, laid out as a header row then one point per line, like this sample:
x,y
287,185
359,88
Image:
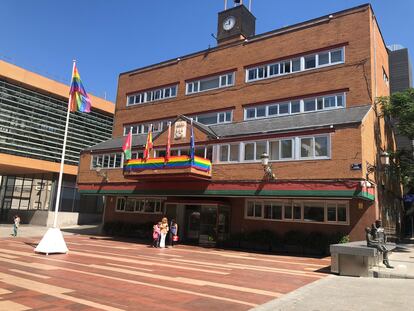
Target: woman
x,y
173,231
164,231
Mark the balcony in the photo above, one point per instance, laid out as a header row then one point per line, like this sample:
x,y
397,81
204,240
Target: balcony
x,y
180,167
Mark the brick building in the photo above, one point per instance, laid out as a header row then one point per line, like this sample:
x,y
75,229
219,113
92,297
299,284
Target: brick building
x,y
304,95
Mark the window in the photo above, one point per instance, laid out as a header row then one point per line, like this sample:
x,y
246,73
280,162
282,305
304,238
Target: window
x,y
309,104
106,161
254,209
337,56
152,95
314,212
120,204
313,147
273,210
310,147
310,61
321,146
298,211
261,147
224,153
286,149
139,205
336,212
306,62
385,76
137,154
274,150
306,147
214,118
333,101
323,58
249,151
143,128
210,83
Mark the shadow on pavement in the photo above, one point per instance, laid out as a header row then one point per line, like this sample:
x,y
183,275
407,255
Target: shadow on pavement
x,y
92,230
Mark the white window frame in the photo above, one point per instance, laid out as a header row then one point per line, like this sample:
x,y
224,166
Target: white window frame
x,y
142,128
195,84
143,95
290,203
290,60
301,103
140,199
109,155
296,149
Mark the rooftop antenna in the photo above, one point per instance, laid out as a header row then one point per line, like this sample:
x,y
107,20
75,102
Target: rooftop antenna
x,y
225,4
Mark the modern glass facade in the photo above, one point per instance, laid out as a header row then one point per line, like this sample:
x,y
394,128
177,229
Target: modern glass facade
x,y
32,125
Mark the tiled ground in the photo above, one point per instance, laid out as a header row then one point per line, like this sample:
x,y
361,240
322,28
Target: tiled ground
x,y
103,274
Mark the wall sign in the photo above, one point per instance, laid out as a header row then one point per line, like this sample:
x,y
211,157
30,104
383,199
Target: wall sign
x,y
180,129
356,166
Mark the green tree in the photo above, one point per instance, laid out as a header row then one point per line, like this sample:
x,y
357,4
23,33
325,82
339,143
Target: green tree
x,y
400,107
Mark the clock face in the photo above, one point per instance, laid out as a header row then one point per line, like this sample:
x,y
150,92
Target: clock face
x,y
229,23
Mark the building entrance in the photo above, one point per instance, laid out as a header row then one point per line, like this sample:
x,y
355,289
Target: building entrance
x,y
203,224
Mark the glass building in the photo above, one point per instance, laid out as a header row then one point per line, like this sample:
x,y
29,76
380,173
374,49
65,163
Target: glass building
x,y
32,124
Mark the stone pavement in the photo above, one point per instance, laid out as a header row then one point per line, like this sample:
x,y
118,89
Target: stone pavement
x,y
339,293
402,259
100,273
391,290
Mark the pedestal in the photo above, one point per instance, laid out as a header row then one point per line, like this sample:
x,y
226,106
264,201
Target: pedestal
x,y
52,243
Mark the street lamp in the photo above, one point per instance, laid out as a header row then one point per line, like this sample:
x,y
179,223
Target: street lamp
x,y
101,173
385,163
267,167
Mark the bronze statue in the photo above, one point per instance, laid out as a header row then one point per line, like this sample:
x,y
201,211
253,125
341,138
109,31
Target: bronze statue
x,y
376,238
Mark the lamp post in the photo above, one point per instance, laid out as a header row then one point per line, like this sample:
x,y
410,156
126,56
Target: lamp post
x,y
101,173
384,161
267,167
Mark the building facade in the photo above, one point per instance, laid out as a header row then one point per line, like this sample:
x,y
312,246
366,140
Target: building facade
x,y
303,95
32,122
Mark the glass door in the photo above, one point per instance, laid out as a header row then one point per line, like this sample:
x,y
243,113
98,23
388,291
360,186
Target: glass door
x,y
223,223
208,227
192,223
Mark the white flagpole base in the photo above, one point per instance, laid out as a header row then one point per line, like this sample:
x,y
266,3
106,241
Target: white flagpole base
x,y
52,243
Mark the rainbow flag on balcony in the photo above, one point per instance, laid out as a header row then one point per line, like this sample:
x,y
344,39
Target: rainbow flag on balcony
x,y
200,164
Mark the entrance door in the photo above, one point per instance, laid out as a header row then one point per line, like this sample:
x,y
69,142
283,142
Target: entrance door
x,y
192,222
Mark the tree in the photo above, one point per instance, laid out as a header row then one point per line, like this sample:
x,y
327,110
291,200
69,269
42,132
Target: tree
x,y
400,107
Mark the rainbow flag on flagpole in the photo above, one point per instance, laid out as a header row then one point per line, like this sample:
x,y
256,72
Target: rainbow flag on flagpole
x,y
78,98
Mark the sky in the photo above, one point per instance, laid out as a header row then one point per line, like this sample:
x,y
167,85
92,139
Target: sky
x,y
108,37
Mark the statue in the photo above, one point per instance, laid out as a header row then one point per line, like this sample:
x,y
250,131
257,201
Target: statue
x,y
376,238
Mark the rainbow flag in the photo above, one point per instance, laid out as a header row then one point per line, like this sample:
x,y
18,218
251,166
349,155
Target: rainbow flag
x,y
79,99
198,163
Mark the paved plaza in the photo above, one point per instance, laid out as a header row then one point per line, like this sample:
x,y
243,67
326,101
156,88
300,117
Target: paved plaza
x,y
100,273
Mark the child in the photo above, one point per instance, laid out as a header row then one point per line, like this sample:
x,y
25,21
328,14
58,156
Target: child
x,y
173,232
16,224
156,235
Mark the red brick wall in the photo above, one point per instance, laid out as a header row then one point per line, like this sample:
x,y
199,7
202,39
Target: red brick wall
x,y
352,29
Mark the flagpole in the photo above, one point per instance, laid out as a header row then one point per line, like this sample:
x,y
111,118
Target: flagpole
x,y
62,160
53,241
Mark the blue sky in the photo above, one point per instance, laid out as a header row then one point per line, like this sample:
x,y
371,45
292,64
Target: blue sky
x,y
108,37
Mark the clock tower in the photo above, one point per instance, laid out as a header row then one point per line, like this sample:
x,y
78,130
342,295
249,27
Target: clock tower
x,y
234,24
